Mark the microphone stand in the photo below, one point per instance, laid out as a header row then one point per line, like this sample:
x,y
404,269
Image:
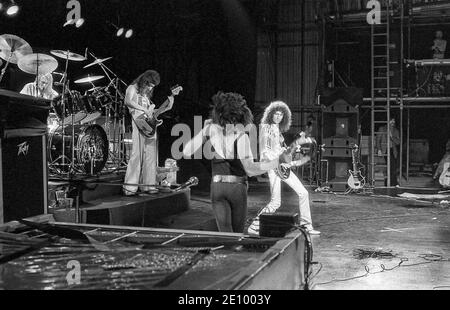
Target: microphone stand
x,y
6,66
63,102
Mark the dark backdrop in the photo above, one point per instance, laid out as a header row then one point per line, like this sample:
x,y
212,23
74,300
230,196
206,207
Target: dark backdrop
x,y
203,45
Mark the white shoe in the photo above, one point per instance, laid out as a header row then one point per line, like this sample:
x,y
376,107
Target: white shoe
x,y
253,229
312,231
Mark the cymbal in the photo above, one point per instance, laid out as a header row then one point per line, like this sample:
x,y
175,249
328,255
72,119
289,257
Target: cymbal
x,y
67,55
89,79
37,64
94,89
12,48
97,61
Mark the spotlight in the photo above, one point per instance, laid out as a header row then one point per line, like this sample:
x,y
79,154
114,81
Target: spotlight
x,y
129,33
79,22
120,32
12,9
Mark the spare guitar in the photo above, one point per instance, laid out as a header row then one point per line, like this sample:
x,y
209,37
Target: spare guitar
x,y
148,125
444,179
355,180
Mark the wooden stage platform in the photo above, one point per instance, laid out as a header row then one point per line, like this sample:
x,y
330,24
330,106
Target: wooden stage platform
x,y
100,201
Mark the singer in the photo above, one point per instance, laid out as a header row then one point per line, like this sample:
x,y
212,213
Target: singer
x,y
233,160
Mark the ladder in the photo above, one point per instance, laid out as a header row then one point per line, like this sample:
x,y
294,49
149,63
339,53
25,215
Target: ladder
x,y
381,92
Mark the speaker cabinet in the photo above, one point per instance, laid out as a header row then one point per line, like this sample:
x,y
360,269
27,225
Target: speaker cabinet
x,y
340,117
350,95
277,224
23,178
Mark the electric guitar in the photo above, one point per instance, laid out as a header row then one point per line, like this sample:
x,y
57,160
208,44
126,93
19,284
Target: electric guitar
x,y
306,147
355,180
444,179
148,125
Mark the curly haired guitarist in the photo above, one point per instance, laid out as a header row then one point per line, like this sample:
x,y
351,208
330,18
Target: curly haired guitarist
x,y
275,121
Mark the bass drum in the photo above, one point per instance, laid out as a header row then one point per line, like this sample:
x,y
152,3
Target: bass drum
x,y
90,146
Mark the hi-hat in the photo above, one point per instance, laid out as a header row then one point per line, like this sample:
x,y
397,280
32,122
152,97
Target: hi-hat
x,y
38,64
12,48
89,79
94,89
97,61
68,55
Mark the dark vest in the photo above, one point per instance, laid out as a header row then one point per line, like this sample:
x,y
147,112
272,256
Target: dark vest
x,y
222,166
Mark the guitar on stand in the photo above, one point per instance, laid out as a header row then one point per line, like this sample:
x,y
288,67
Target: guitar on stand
x,y
355,181
148,125
444,179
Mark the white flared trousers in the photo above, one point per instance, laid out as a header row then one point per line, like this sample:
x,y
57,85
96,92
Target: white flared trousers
x,y
297,186
142,164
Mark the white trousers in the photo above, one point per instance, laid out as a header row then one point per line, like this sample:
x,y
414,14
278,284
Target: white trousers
x,y
297,186
142,164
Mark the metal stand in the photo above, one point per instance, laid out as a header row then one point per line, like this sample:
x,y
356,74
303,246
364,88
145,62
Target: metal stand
x,y
118,152
6,66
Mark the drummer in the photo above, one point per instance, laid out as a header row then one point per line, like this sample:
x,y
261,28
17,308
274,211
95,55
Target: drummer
x,y
44,87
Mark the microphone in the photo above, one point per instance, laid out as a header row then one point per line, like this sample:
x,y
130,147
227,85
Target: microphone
x,y
85,53
191,182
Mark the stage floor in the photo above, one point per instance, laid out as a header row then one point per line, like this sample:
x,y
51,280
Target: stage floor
x,y
362,235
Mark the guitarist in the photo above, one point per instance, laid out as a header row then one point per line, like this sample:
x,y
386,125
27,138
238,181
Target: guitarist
x,y
142,164
275,121
441,170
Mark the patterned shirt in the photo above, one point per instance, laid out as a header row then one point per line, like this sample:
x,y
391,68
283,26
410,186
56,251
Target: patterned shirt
x,y
271,142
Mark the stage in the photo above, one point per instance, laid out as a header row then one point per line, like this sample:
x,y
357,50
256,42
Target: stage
x,y
378,231
393,238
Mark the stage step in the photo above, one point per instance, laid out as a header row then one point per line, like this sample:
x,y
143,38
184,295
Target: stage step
x,y
139,211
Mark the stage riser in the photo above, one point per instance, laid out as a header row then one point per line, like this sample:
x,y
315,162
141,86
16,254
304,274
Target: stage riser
x,y
142,212
99,191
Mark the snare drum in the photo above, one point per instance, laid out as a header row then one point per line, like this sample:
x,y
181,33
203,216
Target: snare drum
x,y
93,108
71,110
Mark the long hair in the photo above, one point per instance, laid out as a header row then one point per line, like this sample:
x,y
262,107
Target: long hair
x,y
48,89
230,108
270,111
143,80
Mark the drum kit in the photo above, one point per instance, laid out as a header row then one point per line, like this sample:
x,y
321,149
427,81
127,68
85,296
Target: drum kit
x,y
76,144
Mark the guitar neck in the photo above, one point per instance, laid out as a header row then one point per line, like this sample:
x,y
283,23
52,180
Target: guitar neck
x,y
161,109
354,160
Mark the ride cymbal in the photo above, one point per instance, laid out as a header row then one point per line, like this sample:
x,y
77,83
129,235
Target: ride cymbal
x,y
97,61
89,79
37,64
68,55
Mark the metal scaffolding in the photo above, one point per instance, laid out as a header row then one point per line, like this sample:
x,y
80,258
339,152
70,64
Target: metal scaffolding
x,y
399,16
